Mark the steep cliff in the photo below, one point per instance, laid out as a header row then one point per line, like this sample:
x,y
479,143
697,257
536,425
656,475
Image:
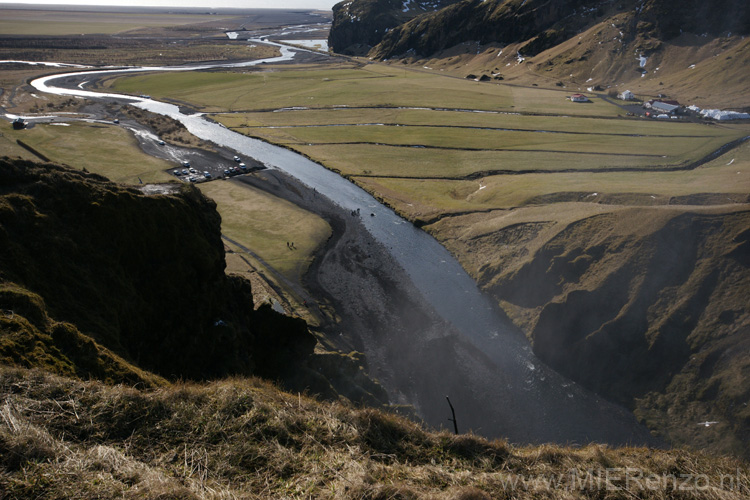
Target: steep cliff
x,y
359,25
648,307
100,279
538,25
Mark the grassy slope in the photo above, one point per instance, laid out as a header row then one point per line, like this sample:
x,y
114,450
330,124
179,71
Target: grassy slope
x,y
244,438
708,72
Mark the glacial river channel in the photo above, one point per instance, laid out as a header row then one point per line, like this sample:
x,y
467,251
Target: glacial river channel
x,y
543,405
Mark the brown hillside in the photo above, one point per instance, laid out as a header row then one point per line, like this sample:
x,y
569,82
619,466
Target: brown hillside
x,y
638,304
243,438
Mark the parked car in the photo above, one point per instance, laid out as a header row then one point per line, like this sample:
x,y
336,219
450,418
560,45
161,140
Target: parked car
x,y
237,159
185,163
243,166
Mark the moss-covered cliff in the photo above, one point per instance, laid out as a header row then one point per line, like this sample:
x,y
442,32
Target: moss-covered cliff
x,y
135,283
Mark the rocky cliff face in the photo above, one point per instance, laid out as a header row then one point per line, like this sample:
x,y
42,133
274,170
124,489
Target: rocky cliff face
x,y
650,309
359,25
535,24
138,280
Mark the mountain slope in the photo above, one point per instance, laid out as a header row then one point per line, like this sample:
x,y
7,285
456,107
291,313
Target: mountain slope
x,y
358,25
540,24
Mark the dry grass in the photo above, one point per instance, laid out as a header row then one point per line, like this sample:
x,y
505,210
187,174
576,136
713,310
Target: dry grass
x,y
243,438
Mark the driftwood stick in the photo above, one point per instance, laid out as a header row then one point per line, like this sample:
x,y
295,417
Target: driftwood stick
x,y
455,424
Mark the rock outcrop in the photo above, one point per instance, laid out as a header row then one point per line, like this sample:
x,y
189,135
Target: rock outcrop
x,y
103,280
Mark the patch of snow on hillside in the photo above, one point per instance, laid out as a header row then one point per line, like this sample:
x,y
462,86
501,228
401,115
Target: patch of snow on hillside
x,y
407,6
642,61
519,58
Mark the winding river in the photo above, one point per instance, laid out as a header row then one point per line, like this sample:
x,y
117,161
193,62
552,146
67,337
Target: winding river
x,y
541,404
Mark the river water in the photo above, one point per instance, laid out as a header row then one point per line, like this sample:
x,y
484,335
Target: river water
x,y
542,405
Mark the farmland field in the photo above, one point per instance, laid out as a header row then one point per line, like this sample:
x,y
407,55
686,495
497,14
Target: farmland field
x,y
429,144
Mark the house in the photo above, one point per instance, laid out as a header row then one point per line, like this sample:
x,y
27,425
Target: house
x,y
667,107
579,98
626,96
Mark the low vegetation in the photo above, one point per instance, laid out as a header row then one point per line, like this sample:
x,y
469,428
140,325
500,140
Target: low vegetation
x,y
266,224
61,437
85,144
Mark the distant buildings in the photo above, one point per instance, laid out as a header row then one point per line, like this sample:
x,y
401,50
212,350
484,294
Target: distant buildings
x,y
579,98
663,107
626,96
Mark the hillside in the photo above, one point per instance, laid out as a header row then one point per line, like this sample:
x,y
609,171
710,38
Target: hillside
x,y
696,52
646,306
243,438
538,25
361,24
113,282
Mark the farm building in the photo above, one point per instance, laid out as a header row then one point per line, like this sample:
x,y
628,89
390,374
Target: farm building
x,y
626,96
667,107
579,98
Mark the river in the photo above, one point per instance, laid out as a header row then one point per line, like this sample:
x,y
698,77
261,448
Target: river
x,y
518,396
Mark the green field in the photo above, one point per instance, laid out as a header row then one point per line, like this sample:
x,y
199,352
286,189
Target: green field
x,y
420,198
265,224
103,149
425,143
371,85
250,217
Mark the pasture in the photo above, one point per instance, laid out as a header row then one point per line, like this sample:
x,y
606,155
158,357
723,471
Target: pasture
x,y
100,148
345,84
431,145
264,223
